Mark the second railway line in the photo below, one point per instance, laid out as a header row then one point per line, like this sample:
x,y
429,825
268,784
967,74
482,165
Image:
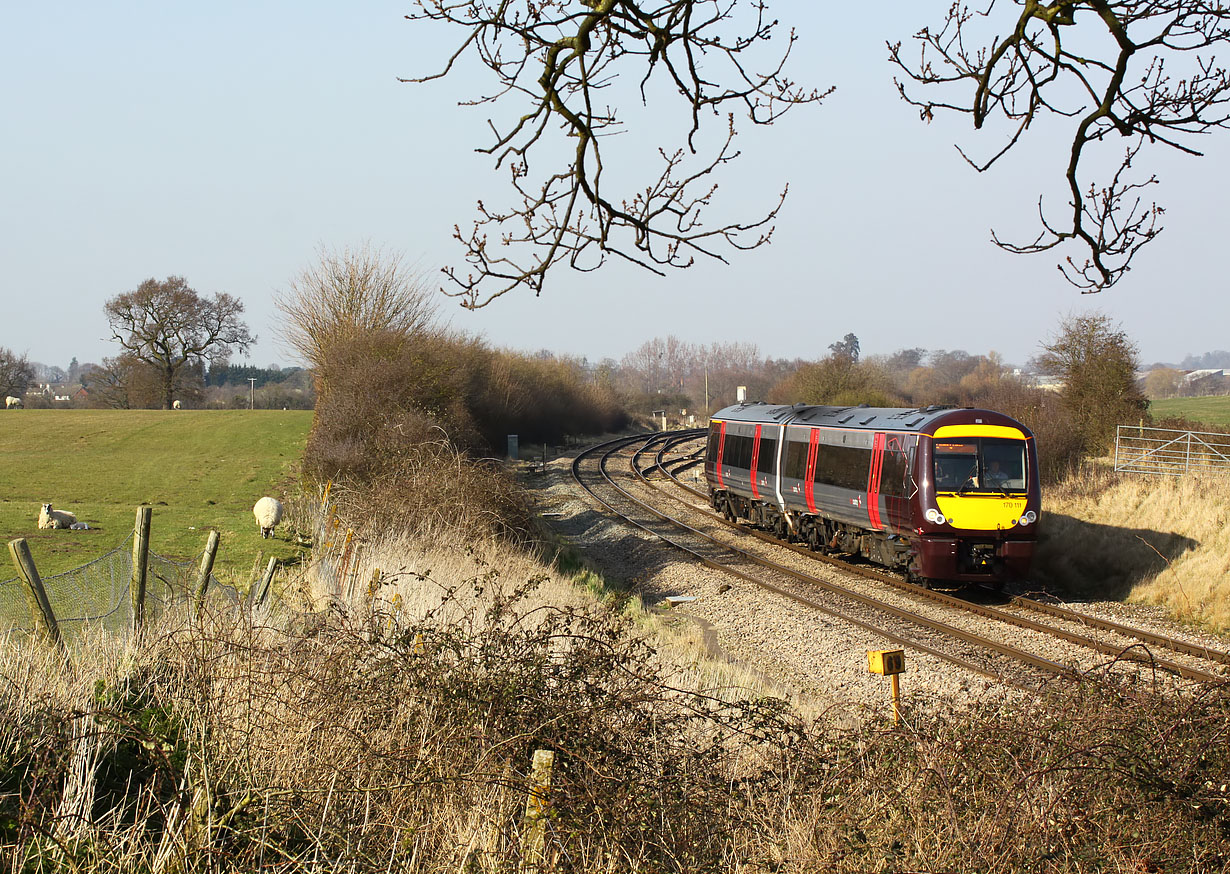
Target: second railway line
x,y
817,618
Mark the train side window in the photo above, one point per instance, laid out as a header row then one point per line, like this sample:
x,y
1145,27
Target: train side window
x,y
745,453
738,451
843,466
796,459
767,460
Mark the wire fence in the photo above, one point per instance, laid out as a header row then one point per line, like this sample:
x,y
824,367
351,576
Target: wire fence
x,y
98,594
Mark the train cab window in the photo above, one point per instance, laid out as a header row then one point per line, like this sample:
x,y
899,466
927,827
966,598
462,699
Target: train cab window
x,y
1004,464
956,465
981,464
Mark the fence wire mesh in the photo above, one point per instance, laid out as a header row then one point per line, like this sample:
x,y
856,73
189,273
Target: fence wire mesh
x,y
98,594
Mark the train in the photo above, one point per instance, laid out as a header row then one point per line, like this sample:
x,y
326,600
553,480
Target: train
x,y
942,494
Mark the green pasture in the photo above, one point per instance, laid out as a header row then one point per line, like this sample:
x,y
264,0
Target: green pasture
x,y
198,469
1210,410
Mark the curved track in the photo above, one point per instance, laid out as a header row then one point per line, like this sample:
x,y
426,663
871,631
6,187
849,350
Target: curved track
x,y
1072,617
903,627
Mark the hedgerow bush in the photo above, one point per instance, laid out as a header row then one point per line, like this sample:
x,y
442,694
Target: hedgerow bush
x,y
367,741
407,421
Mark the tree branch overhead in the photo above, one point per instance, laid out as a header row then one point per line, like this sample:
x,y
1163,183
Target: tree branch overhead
x,y
1043,59
553,59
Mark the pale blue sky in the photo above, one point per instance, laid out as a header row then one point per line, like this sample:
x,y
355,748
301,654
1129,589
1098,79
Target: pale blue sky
x,y
225,142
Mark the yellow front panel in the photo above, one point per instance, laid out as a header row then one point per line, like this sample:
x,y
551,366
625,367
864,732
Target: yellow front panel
x,y
979,431
981,512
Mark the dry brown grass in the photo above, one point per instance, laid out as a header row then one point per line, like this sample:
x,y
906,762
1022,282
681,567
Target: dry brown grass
x,y
1155,540
391,730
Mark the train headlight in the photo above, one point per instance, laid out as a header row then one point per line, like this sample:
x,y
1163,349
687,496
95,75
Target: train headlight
x,y
934,516
1029,518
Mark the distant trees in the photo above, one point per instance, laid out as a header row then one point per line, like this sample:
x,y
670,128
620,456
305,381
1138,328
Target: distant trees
x,y
1163,382
1097,363
1218,360
847,347
125,382
839,379
668,373
169,327
15,373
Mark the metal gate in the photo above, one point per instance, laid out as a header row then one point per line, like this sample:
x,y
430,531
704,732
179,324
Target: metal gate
x,y
1168,452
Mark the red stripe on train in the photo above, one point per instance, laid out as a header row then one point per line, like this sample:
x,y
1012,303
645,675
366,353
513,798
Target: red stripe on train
x,y
873,480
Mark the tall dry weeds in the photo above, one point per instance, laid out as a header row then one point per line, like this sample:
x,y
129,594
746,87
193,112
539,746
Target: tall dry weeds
x,y
1149,539
390,725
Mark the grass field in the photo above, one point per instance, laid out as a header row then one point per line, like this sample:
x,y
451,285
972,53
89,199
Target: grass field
x,y
1210,410
198,469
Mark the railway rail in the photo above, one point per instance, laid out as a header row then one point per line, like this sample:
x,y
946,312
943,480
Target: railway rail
x,y
905,627
1054,611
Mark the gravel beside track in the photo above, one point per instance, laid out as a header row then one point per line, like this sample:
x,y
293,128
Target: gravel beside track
x,y
806,654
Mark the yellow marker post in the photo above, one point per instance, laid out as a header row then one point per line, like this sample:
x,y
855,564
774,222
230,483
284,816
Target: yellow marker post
x,y
889,663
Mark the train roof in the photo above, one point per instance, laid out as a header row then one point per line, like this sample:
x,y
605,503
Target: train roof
x,y
922,420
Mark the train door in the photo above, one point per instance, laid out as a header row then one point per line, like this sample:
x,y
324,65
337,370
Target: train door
x,y
895,483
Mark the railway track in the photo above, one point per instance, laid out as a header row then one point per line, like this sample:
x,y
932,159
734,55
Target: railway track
x,y
907,626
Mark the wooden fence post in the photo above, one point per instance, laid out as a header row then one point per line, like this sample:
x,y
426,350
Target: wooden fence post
x,y
36,595
140,566
207,567
537,805
266,581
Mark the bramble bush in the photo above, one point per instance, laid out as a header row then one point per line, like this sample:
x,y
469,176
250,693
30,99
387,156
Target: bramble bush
x,y
363,740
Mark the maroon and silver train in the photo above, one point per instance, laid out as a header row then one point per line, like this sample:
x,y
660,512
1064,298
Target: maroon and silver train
x,y
940,493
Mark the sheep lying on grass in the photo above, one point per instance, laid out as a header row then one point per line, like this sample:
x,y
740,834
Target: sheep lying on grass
x,y
49,518
268,513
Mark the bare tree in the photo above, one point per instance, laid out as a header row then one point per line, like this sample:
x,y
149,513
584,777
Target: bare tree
x,y
553,59
168,326
350,293
1143,70
15,373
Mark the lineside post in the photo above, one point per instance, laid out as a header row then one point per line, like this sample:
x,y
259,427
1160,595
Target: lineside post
x,y
36,596
140,566
537,806
890,663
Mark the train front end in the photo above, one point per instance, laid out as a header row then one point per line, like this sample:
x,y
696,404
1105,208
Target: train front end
x,y
978,499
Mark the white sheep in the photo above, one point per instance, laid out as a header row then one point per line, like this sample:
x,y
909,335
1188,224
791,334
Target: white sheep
x,y
49,518
268,513
12,403
175,405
